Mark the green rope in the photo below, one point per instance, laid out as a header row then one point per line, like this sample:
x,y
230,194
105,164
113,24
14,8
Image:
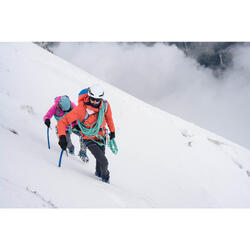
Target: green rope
x,y
59,118
93,131
113,146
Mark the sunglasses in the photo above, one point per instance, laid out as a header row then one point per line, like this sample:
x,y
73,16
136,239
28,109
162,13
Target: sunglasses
x,y
92,99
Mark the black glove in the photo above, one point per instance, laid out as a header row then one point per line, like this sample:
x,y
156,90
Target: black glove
x,y
47,122
111,135
63,142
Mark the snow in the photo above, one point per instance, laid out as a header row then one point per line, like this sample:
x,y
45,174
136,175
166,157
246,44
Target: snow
x,y
163,161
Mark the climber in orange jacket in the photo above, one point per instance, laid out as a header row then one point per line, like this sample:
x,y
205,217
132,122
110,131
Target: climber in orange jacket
x,y
87,113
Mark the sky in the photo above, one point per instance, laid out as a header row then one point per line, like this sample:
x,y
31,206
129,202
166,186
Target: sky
x,y
164,77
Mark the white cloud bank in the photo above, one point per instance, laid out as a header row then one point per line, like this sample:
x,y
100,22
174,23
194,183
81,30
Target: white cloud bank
x,y
163,76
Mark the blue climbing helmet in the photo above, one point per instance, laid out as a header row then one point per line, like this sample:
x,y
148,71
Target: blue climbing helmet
x,y
64,103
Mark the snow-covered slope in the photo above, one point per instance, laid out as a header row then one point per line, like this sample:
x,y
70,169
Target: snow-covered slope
x,y
163,161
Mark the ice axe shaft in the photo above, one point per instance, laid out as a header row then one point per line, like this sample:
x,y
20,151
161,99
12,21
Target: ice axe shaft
x,y
60,159
48,138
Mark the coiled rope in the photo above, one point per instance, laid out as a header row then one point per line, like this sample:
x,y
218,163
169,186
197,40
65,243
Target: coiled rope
x,y
93,131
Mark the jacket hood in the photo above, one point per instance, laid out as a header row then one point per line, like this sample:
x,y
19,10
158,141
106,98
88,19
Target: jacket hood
x,y
57,99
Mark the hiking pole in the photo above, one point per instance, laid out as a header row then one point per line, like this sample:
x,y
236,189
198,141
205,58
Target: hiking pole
x,y
48,137
60,159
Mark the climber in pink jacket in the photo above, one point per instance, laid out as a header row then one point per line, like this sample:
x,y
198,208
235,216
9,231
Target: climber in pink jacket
x,y
62,106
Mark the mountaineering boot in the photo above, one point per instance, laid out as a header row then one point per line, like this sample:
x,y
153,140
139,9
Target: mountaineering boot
x,y
72,152
106,180
83,156
97,174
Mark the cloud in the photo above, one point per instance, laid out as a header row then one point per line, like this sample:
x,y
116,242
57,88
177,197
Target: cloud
x,y
164,77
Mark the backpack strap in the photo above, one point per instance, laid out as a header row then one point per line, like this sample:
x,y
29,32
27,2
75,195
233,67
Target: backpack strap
x,y
105,103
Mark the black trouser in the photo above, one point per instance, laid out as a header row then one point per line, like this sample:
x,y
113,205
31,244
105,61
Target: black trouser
x,y
101,160
70,146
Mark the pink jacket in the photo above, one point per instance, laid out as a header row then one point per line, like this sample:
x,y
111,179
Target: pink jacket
x,y
55,109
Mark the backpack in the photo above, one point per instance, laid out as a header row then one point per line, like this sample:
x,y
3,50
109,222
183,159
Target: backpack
x,y
83,95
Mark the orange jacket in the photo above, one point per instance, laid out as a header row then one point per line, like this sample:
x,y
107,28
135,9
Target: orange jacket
x,y
79,112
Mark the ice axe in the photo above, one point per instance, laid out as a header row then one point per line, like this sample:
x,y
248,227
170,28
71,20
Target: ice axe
x,y
48,137
60,159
